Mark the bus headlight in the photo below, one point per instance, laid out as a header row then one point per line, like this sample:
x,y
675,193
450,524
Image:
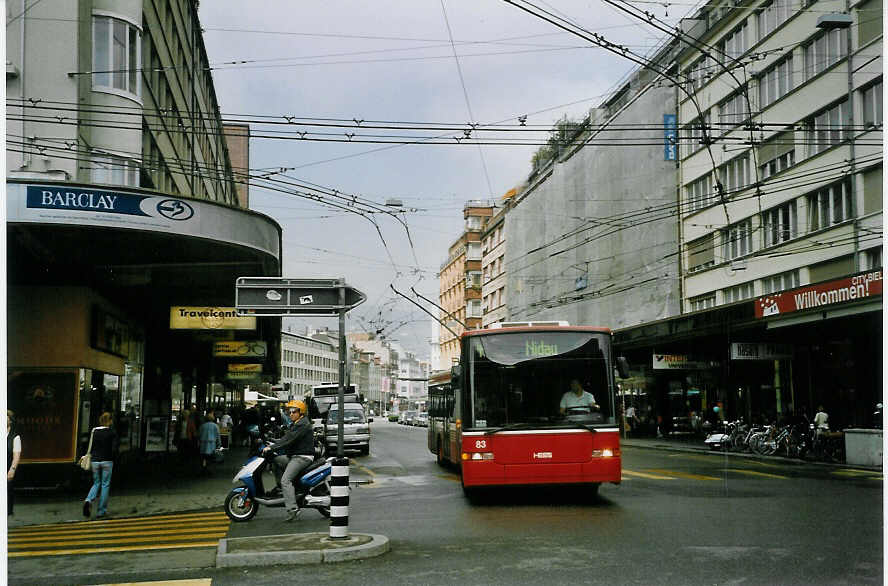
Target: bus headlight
x,y
605,453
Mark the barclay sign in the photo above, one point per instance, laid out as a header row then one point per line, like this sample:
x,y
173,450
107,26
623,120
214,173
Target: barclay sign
x,y
96,200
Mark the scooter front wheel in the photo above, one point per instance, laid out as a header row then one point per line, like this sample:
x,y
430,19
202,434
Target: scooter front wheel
x,y
239,506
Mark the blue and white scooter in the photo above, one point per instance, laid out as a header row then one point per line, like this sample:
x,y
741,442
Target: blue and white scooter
x,y
258,485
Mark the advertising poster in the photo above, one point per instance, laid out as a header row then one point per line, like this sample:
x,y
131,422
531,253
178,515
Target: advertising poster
x,y
44,404
156,434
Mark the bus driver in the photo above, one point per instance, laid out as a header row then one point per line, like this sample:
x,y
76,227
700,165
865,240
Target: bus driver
x,y
577,397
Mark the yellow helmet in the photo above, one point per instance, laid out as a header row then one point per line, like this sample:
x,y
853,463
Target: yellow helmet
x,y
298,405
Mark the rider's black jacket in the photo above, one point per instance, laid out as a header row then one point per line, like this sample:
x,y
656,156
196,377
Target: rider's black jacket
x,y
299,440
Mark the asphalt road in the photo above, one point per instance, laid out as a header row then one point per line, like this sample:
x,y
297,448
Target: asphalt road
x,y
677,518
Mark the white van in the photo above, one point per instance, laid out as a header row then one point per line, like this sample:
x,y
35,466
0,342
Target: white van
x,y
356,428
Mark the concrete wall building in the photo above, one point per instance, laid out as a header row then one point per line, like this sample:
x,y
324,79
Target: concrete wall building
x,y
591,239
124,233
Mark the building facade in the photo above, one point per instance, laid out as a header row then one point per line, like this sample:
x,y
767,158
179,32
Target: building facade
x,y
305,363
124,233
780,186
493,266
591,239
460,281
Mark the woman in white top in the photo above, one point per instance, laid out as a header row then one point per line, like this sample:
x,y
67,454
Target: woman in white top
x,y
13,455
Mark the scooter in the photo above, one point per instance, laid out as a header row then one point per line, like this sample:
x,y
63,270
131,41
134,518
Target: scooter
x,y
720,439
258,485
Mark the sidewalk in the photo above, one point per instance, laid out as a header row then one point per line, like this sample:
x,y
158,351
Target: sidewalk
x,y
158,488
696,445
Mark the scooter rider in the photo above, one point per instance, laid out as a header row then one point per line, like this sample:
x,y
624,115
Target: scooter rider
x,y
297,447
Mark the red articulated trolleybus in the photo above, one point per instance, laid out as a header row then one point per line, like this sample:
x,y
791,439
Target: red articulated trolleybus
x,y
510,413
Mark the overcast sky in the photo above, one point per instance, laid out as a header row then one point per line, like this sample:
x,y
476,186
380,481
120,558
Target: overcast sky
x,y
393,60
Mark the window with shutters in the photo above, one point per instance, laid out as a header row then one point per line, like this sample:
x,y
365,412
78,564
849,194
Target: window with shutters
x,y
702,302
780,224
737,240
830,205
774,14
775,82
734,174
777,155
781,282
700,193
828,127
872,104
738,292
701,253
825,51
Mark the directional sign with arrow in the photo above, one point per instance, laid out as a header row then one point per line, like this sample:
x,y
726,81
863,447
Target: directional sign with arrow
x,y
278,296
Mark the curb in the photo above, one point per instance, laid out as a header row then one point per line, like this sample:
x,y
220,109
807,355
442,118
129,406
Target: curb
x,y
748,455
302,549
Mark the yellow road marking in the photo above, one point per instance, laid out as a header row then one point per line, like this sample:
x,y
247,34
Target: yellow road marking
x,y
452,477
88,541
189,582
365,470
871,474
645,475
126,521
686,475
55,536
756,473
19,554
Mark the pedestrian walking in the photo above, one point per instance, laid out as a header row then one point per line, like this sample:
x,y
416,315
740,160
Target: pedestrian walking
x,y
821,421
102,452
13,455
210,439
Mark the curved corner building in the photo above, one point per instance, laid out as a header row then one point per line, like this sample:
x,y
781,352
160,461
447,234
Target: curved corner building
x,y
127,226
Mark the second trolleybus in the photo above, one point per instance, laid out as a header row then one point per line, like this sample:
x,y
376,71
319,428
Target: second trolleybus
x,y
501,415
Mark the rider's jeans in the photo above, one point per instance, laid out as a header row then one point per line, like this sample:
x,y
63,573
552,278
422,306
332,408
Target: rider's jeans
x,y
294,465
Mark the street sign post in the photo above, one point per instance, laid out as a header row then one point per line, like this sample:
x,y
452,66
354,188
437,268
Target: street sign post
x,y
282,297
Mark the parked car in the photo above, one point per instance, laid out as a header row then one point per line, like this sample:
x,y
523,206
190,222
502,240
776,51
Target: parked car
x,y
407,417
422,419
356,428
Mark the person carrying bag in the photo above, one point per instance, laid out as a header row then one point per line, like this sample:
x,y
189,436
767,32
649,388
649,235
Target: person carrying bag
x,y
101,461
86,459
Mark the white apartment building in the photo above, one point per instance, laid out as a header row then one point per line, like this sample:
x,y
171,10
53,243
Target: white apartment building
x,y
789,191
411,372
306,362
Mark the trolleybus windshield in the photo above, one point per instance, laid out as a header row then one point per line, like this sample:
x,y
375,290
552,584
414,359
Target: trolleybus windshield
x,y
517,380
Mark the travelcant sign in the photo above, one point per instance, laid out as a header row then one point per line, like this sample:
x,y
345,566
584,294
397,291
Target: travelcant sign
x,y
822,295
184,317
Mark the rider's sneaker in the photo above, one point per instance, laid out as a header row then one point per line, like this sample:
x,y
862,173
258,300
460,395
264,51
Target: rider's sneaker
x,y
292,515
